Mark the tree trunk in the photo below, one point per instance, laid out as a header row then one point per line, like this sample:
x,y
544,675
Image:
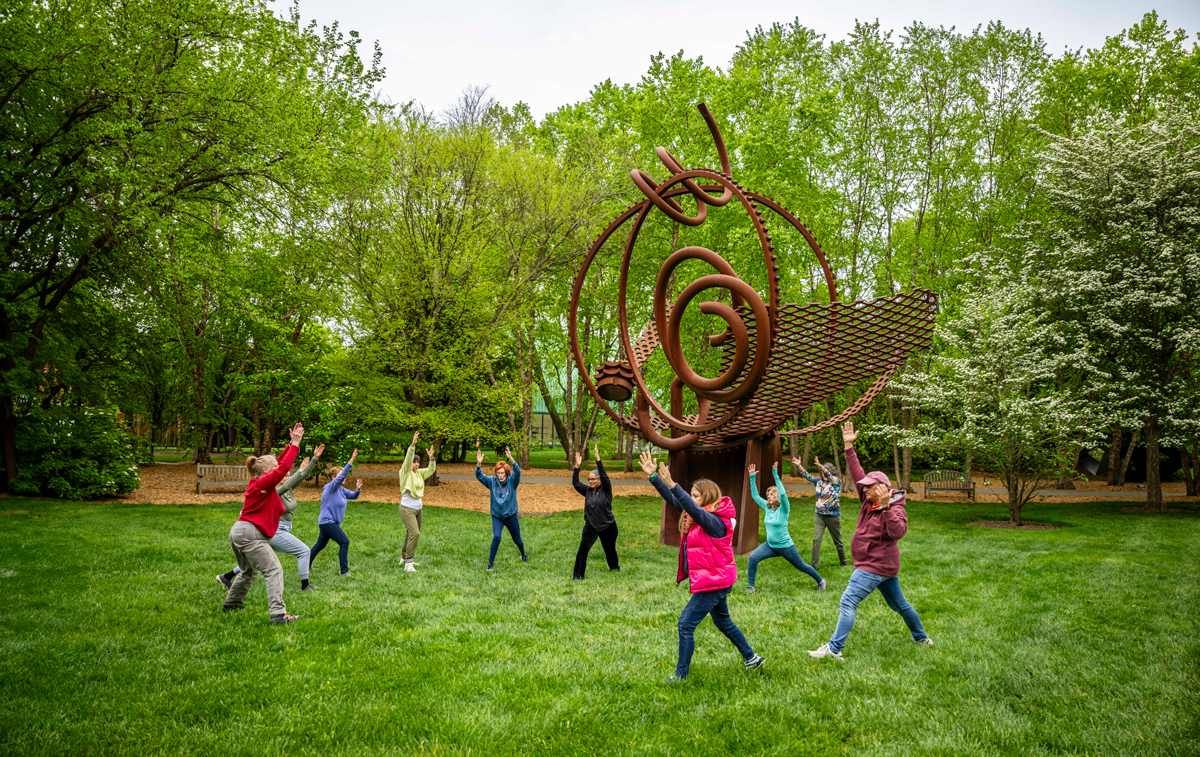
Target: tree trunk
x,y
812,418
1154,497
564,438
895,447
1066,476
9,422
1114,451
837,461
256,434
1128,454
268,435
1014,504
1191,468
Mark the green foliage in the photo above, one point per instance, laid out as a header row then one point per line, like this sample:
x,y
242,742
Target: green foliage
x,y
74,453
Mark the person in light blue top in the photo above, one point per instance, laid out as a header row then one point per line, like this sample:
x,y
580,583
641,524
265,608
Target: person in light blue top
x,y
503,489
333,510
779,541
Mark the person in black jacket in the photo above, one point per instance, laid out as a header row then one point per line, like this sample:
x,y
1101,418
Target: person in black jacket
x,y
598,520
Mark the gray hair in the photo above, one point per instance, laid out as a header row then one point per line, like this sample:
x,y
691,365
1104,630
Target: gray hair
x,y
594,472
830,469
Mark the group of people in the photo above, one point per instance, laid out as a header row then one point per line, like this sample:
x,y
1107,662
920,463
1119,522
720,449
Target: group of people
x,y
707,521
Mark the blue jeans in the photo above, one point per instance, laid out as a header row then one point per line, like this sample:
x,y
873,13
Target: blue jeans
x,y
766,551
859,587
514,530
332,531
702,604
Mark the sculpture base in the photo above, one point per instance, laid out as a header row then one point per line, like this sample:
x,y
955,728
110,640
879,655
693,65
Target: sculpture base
x,y
727,468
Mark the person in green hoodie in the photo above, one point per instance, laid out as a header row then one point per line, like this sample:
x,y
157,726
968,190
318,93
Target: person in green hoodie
x,y
412,491
779,542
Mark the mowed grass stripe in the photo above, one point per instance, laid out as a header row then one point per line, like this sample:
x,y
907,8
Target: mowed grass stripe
x,y
1077,641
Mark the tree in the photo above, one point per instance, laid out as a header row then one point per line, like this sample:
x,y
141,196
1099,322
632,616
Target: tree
x,y
1120,258
992,390
115,116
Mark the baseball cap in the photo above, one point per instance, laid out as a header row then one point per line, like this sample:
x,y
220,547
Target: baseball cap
x,y
874,477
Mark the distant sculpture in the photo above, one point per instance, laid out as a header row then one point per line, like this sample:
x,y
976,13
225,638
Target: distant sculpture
x,y
775,358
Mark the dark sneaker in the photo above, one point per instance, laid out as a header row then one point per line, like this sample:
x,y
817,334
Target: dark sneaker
x,y
310,587
489,567
755,661
524,558
278,620
230,608
221,579
675,679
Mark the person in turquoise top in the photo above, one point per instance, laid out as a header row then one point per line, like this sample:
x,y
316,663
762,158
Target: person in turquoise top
x,y
779,541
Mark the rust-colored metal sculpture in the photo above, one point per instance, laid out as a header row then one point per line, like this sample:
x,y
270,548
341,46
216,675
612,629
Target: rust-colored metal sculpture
x,y
775,358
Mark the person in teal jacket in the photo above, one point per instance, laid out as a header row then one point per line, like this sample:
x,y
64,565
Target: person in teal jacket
x,y
779,541
503,489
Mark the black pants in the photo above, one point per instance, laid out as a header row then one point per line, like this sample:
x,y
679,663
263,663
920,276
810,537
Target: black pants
x,y
334,532
607,537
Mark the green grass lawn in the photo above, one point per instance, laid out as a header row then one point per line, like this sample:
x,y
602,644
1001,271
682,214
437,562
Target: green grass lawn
x,y
1076,641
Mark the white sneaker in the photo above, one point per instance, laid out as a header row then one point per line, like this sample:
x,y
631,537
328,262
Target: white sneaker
x,y
825,651
926,642
410,568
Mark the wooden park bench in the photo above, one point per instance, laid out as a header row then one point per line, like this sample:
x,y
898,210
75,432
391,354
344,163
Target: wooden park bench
x,y
221,475
949,481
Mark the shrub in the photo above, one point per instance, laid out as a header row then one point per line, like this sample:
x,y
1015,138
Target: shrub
x,y
74,453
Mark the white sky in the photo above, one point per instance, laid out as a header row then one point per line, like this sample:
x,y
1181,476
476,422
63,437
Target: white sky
x,y
549,54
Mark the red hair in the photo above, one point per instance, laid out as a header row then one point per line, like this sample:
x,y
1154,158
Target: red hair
x,y
507,468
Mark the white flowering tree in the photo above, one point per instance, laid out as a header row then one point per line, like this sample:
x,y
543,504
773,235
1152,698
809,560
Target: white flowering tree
x,y
1120,257
993,390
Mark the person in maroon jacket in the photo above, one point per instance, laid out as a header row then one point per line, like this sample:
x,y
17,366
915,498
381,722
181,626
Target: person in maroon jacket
x,y
251,535
882,522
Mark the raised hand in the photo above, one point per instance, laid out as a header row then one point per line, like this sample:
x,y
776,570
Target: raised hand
x,y
578,459
817,460
508,454
849,435
646,462
320,450
596,449
479,457
297,433
775,465
354,455
665,474
416,436
305,461
751,469
431,452
358,486
796,462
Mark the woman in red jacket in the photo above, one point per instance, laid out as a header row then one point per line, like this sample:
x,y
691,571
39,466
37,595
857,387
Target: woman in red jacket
x,y
706,525
251,534
882,522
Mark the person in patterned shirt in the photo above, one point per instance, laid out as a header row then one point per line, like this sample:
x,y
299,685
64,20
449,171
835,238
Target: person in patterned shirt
x,y
829,512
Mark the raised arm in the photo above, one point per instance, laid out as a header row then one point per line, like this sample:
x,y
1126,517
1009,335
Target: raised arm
x,y
853,466
353,494
605,484
406,466
516,474
712,525
784,504
306,468
429,470
762,503
648,466
487,481
579,487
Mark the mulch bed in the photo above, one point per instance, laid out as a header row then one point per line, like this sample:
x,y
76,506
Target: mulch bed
x,y
1026,526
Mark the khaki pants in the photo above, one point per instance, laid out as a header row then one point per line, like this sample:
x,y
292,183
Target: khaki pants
x,y
834,524
254,555
412,525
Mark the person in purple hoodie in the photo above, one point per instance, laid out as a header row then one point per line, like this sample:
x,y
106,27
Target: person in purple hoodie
x,y
706,523
333,511
882,523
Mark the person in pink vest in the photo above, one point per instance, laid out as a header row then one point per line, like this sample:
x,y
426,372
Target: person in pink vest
x,y
706,525
882,523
